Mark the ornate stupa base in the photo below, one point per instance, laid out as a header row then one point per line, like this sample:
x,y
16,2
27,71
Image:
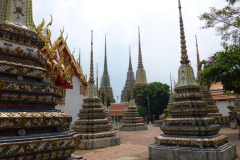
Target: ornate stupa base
x,y
41,146
220,119
131,119
88,144
226,151
192,141
133,128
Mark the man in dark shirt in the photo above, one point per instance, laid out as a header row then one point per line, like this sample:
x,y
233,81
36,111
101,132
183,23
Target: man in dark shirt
x,y
237,120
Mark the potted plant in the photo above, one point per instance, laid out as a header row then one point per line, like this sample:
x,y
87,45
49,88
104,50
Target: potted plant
x,y
166,113
231,116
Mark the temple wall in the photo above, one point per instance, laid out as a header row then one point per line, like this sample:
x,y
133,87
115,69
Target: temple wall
x,y
73,100
222,106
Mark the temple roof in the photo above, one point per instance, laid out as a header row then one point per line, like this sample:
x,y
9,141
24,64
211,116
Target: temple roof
x,y
117,109
216,90
60,49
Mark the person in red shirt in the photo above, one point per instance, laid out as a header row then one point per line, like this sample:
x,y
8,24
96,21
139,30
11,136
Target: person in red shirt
x,y
237,120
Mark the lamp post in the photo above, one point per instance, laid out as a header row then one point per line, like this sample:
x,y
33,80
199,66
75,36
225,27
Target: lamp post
x,y
149,119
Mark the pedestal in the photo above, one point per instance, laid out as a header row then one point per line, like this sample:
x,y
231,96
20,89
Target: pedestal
x,y
226,151
88,144
137,128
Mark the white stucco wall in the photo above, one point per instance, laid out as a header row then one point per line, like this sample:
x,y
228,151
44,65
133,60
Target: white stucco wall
x,y
222,106
73,100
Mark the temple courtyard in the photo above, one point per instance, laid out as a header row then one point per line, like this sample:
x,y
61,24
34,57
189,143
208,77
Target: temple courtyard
x,y
134,145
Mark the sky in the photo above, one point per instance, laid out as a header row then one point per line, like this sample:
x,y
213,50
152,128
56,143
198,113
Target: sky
x,y
119,20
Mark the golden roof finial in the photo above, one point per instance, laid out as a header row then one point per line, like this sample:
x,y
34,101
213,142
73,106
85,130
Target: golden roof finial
x,y
66,38
61,32
73,50
40,27
50,23
184,56
78,60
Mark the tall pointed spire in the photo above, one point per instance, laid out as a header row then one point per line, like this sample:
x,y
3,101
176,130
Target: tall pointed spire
x,y
79,58
171,82
130,81
186,74
130,60
140,74
91,78
184,56
198,58
140,63
105,59
97,79
105,84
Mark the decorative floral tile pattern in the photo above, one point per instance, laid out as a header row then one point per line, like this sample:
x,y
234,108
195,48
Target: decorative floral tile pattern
x,y
18,97
35,119
65,147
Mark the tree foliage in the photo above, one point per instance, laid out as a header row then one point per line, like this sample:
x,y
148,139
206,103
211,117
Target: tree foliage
x,y
103,95
226,21
222,67
231,115
158,94
143,111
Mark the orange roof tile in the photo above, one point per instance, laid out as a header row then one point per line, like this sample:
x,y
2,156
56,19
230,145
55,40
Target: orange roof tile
x,y
216,90
116,113
217,85
117,107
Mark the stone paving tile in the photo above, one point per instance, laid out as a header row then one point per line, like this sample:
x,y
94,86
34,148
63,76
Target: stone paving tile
x,y
134,145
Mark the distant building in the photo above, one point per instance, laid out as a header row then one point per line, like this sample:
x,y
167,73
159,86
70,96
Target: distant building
x,y
221,100
117,110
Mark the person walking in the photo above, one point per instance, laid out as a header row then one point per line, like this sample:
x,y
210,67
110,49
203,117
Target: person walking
x,y
238,124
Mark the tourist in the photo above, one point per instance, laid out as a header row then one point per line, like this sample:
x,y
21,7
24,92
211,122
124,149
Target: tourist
x,y
238,124
143,121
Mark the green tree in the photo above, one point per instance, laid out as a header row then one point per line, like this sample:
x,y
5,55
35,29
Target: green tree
x,y
226,21
231,115
158,94
222,67
143,111
103,95
140,94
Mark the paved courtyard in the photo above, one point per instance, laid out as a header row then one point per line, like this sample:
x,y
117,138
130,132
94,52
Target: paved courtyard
x,y
134,145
